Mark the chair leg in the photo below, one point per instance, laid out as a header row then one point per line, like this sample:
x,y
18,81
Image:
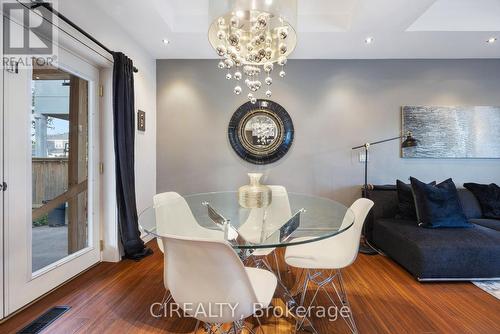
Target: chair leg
x,y
197,326
254,261
218,328
340,292
345,301
250,261
260,325
342,288
304,288
268,266
208,328
307,325
342,297
276,262
298,324
167,297
236,328
240,325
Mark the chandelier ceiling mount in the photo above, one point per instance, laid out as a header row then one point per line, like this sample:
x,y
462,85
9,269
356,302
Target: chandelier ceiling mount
x,y
253,40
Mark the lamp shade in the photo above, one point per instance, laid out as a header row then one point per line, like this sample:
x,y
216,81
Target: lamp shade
x,y
409,141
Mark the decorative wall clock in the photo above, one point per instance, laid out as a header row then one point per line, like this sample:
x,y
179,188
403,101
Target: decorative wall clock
x,y
261,133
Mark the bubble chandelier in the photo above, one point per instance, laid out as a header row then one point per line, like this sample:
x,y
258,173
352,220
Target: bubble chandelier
x,y
253,40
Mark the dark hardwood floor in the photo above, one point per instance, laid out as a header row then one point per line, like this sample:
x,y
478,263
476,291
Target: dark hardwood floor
x,y
116,298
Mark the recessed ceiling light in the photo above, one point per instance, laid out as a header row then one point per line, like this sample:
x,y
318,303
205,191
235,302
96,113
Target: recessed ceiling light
x,y
369,40
269,2
491,40
240,13
165,41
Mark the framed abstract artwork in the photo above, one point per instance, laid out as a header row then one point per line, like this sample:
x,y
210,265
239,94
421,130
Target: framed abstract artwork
x,y
453,132
261,133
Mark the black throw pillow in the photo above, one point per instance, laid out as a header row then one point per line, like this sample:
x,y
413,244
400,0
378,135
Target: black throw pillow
x,y
488,196
406,202
439,205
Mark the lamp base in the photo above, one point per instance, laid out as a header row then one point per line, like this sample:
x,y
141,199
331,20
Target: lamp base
x,y
366,249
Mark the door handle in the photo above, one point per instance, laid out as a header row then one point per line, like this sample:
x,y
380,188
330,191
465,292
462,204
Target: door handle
x,y
3,186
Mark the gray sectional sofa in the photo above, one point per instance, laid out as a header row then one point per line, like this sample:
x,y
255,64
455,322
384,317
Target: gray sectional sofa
x,y
435,254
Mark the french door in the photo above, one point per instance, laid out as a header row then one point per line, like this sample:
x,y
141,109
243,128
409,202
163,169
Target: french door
x,y
50,159
1,190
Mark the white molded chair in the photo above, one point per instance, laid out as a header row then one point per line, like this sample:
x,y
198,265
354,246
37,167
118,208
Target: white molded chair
x,y
204,273
331,255
173,215
274,216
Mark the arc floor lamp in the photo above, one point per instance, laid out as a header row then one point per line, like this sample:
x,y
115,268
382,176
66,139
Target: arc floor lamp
x,y
365,247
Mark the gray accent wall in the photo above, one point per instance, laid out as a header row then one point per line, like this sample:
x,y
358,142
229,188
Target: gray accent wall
x,y
335,105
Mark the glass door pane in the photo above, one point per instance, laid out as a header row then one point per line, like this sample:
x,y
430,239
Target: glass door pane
x,y
59,137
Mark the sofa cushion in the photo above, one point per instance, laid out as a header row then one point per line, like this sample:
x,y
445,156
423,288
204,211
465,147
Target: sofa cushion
x,y
386,205
439,205
488,196
439,253
489,223
469,202
406,201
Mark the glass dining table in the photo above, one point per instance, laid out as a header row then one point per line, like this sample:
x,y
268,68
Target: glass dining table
x,y
290,219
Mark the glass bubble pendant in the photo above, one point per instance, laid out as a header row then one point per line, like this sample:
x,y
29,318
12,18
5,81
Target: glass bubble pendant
x,y
251,39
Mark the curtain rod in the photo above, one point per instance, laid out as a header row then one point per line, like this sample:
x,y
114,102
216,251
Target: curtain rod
x,y
47,6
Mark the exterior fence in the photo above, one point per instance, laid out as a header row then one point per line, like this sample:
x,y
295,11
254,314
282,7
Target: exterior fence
x,y
50,179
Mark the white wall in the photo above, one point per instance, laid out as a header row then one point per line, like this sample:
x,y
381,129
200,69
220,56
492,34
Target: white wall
x,y
103,28
334,104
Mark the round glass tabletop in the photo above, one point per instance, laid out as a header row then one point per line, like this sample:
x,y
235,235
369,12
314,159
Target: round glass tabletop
x,y
290,219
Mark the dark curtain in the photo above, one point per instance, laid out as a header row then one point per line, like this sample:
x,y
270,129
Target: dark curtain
x,y
124,135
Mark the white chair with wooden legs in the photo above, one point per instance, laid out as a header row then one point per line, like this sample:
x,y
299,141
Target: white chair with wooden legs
x,y
331,255
209,275
273,217
173,214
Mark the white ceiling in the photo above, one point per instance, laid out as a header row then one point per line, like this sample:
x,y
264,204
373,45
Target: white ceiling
x,y
328,29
